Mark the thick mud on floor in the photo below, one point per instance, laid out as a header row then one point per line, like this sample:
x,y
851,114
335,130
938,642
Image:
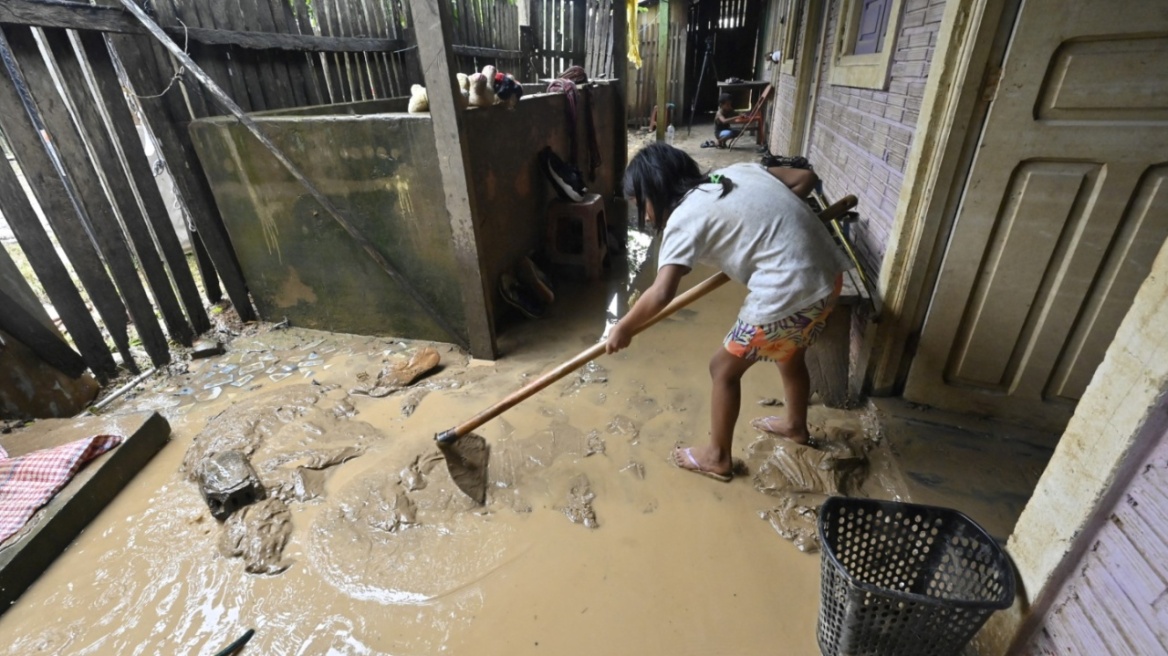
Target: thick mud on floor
x,y
589,541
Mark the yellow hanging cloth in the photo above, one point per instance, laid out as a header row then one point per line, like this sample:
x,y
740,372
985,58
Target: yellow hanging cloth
x,y
634,34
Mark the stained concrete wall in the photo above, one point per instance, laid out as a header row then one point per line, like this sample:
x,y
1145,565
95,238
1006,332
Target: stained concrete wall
x,y
379,166
512,194
301,264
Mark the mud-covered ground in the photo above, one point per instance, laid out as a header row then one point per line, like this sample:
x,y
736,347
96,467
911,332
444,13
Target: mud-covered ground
x,y
589,542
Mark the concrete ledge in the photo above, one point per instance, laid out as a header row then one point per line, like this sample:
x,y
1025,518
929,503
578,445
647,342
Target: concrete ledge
x,y
24,556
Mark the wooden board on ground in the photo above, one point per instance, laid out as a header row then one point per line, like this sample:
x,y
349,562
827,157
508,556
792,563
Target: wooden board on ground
x,y
28,553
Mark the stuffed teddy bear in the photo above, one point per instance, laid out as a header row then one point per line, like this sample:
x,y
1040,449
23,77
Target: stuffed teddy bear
x,y
419,101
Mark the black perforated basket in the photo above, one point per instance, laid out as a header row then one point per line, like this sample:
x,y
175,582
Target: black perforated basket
x,y
903,579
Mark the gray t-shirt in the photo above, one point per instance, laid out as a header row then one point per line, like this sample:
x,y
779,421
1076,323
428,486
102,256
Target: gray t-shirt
x,y
762,235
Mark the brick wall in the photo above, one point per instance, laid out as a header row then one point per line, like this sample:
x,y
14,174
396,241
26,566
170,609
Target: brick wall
x,y
1117,601
860,138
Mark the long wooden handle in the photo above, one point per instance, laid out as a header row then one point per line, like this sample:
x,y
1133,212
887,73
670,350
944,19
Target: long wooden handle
x,y
591,353
838,208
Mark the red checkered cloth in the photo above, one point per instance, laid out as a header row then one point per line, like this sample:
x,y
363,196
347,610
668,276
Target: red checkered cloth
x,y
29,481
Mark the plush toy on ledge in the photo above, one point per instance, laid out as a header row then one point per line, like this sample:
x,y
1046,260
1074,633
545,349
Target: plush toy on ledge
x,y
419,101
481,93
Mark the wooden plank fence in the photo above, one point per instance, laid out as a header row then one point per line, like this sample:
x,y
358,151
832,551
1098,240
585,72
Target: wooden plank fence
x,y
643,83
77,78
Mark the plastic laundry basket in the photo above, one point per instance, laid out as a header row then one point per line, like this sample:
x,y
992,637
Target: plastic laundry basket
x,y
903,579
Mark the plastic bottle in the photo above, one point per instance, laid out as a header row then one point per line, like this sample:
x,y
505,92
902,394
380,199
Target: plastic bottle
x,y
669,132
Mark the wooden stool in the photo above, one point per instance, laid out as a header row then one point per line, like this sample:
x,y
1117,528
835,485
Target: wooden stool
x,y
577,234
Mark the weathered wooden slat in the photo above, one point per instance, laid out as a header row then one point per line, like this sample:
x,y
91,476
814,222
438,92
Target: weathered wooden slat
x,y
207,272
258,16
184,166
349,27
366,27
342,89
88,192
215,59
296,173
491,53
52,274
318,85
109,88
433,21
375,19
108,164
299,66
194,96
225,15
25,136
244,16
82,16
355,27
21,324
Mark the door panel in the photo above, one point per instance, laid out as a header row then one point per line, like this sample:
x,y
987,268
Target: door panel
x,y
1062,213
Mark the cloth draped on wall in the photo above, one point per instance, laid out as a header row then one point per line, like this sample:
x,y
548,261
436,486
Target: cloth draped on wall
x,y
28,482
634,34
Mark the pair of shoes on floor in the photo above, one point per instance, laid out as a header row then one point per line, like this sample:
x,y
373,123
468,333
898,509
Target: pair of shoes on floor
x,y
528,289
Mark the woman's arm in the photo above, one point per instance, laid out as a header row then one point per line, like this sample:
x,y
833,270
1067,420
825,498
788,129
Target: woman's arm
x,y
655,298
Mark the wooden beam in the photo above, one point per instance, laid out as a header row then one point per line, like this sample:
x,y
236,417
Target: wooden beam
x,y
662,74
475,51
620,69
80,16
21,324
433,24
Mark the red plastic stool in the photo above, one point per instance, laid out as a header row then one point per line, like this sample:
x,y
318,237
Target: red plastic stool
x,y
577,234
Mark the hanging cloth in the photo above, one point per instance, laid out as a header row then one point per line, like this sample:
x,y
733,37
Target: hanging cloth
x,y
634,34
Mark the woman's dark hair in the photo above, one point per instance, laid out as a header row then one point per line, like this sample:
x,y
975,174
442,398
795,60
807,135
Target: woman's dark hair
x,y
664,176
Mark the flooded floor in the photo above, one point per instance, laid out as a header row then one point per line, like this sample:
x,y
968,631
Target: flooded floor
x,y
589,542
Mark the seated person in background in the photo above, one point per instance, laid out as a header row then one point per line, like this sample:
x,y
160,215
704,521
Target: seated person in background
x,y
727,123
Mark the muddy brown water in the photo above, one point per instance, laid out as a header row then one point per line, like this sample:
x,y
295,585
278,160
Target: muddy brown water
x,y
590,541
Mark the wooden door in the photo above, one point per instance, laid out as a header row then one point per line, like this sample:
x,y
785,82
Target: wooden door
x,y
1063,211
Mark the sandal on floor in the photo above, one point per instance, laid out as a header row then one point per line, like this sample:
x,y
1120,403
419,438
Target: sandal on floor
x,y
519,298
710,143
687,453
764,425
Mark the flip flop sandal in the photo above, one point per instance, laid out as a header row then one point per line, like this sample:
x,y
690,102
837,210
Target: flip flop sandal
x,y
710,143
535,280
695,467
519,298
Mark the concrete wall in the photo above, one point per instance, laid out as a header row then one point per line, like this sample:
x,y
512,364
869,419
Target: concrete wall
x,y
379,166
511,193
379,170
860,138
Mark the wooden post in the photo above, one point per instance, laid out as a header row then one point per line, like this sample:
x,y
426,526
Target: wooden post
x,y
433,22
579,32
620,69
663,118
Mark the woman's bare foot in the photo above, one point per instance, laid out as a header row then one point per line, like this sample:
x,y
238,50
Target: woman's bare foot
x,y
781,427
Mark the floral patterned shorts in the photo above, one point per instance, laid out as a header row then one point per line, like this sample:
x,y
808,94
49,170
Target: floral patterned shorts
x,y
778,341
